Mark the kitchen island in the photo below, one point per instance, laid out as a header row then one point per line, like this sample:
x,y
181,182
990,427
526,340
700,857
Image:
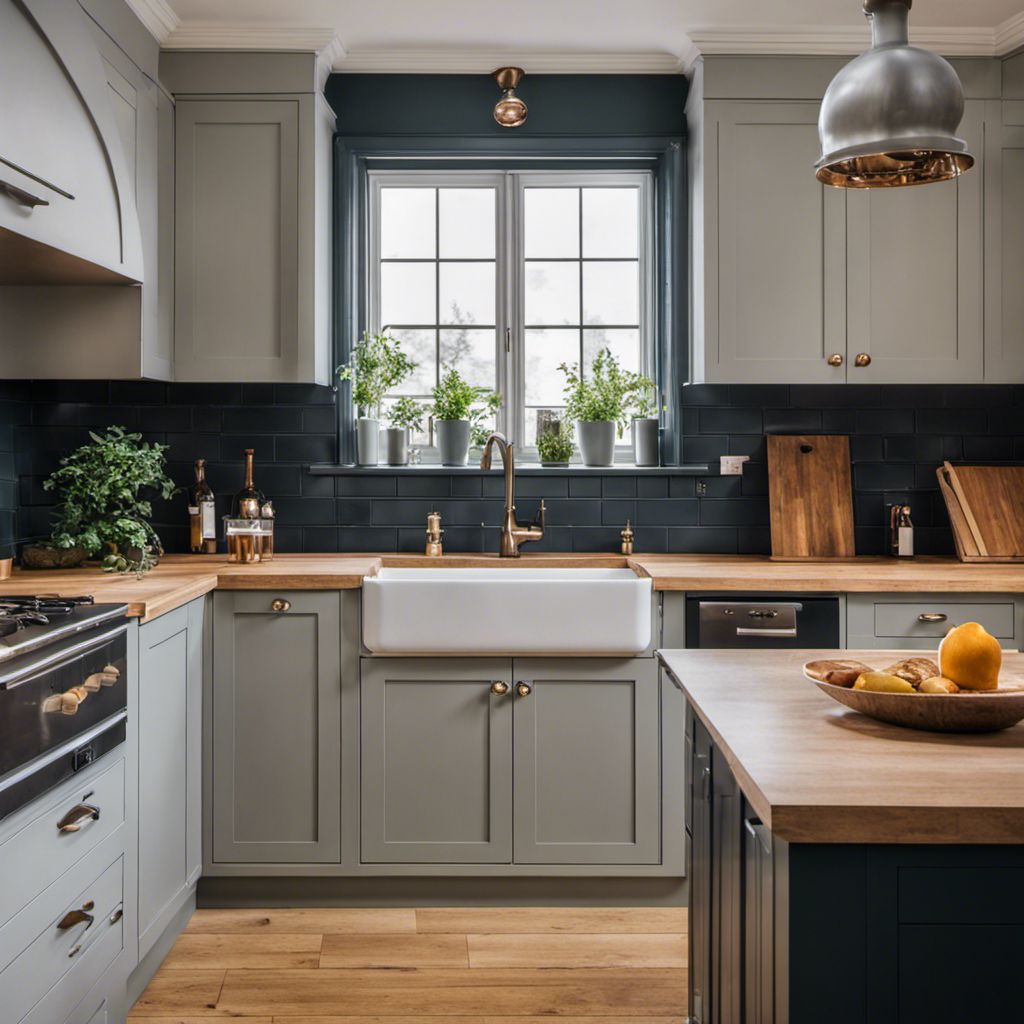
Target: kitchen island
x,y
843,869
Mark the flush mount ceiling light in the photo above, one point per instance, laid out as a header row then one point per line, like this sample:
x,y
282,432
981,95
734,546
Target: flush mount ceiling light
x,y
510,110
889,117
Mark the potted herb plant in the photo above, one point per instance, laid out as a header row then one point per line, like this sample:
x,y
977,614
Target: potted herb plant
x,y
405,415
101,489
459,410
378,364
645,428
599,404
555,446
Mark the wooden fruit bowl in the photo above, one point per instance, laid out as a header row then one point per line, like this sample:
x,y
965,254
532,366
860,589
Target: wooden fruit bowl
x,y
967,711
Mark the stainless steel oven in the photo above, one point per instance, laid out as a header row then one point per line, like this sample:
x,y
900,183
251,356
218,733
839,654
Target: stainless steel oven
x,y
763,622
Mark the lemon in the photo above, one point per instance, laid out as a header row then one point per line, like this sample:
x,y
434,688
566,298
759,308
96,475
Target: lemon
x,y
882,682
971,657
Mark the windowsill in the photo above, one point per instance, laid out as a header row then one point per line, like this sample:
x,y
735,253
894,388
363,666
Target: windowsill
x,y
522,469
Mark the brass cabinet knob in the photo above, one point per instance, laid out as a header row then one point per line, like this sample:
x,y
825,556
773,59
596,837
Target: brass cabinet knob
x,y
835,359
863,359
524,689
280,605
932,617
499,689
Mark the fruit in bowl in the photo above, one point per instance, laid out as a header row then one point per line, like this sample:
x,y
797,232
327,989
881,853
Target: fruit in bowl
x,y
882,682
971,657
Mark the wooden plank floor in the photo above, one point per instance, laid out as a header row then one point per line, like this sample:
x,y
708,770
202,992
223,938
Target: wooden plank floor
x,y
522,965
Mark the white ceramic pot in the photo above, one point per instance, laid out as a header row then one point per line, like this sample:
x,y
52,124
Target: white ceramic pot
x,y
452,441
396,446
367,441
645,442
596,441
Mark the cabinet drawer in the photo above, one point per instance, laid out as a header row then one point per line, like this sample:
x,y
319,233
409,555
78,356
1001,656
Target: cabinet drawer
x,y
67,952
39,853
900,619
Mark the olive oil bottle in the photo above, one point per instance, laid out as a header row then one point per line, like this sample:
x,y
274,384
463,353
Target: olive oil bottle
x,y
202,513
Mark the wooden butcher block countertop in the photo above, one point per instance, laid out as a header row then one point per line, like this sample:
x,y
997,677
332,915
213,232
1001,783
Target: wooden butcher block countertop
x,y
180,578
817,772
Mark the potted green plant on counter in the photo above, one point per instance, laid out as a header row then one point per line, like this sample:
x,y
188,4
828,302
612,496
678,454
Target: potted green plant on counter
x,y
459,411
645,428
599,404
404,416
378,365
103,489
554,445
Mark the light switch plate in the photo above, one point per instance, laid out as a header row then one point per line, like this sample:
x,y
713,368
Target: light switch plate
x,y
732,465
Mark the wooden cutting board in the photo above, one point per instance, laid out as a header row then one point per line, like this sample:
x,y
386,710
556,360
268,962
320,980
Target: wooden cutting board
x,y
993,500
810,496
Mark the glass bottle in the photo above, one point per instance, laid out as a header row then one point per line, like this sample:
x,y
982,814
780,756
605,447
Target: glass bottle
x,y
248,500
202,513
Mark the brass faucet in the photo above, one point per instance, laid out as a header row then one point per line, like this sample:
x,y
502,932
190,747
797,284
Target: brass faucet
x,y
512,533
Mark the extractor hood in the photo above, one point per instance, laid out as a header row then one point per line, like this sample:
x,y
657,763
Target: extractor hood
x,y
889,118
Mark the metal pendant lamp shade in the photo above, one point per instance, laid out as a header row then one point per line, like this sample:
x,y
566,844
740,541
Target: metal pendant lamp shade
x,y
889,118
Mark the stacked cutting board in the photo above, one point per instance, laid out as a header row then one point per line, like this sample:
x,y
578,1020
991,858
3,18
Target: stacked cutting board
x,y
986,511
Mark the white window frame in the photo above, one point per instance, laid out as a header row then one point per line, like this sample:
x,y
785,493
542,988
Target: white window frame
x,y
509,186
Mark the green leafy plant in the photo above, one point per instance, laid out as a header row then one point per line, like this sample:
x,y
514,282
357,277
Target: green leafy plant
x,y
101,489
645,404
456,399
378,364
606,394
407,413
555,445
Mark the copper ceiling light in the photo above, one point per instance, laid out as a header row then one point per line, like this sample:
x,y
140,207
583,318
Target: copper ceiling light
x,y
510,110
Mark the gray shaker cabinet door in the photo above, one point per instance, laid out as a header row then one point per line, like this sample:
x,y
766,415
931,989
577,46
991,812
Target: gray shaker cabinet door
x,y
775,301
436,761
276,728
587,761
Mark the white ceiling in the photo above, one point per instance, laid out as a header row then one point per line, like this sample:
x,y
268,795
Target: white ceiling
x,y
565,35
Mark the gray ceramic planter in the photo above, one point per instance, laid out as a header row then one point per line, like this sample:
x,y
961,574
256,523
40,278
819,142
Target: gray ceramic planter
x,y
596,441
396,446
367,441
645,442
452,441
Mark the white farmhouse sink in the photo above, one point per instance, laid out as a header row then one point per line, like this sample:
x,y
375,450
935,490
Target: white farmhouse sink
x,y
506,610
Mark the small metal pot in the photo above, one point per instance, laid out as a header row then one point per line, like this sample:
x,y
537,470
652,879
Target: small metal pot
x,y
452,441
367,441
396,446
596,441
645,442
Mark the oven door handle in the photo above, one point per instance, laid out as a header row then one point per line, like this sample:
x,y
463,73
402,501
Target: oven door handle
x,y
748,631
77,817
63,654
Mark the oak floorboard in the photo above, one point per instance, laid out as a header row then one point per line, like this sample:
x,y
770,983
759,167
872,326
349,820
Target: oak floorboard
x,y
525,992
447,1019
189,993
581,950
536,920
311,920
389,951
197,951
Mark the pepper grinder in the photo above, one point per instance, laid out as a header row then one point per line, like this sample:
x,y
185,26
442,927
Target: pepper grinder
x,y
627,540
434,532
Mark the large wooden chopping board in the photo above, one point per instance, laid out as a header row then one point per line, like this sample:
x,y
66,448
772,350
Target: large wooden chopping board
x,y
994,498
810,496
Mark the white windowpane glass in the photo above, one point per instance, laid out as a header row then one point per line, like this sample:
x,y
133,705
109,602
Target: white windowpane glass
x,y
624,345
472,353
545,351
552,293
419,346
467,293
611,222
407,223
408,293
466,223
552,222
610,293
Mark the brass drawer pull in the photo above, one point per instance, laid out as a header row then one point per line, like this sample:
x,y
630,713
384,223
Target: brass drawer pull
x,y
107,677
835,359
499,688
66,703
862,360
76,917
524,689
932,617
280,605
77,817
117,914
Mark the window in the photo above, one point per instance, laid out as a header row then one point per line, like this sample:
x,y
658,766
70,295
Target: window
x,y
506,275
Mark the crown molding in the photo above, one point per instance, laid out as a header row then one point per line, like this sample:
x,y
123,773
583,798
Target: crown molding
x,y
210,35
157,16
1010,34
482,61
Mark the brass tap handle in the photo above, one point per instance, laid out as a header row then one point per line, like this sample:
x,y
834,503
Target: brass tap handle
x,y
524,689
281,605
75,917
835,359
499,688
862,360
77,817
538,519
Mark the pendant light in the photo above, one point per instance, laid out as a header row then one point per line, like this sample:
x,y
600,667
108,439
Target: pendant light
x,y
889,117
510,110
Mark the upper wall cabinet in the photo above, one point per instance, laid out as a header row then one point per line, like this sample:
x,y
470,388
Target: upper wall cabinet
x,y
67,212
253,227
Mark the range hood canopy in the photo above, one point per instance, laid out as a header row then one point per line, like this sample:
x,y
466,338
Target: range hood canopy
x,y
889,118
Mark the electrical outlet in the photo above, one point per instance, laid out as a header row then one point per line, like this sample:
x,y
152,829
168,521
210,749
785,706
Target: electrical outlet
x,y
732,465
702,487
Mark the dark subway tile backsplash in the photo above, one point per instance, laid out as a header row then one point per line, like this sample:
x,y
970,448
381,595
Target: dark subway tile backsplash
x,y
899,435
